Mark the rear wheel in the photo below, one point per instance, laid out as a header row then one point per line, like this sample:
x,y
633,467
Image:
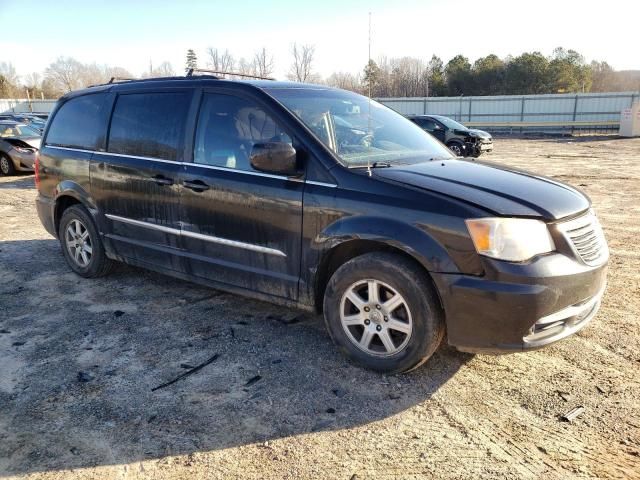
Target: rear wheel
x,y
81,244
6,165
381,311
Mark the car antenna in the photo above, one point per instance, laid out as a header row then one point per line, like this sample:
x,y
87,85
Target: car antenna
x,y
369,91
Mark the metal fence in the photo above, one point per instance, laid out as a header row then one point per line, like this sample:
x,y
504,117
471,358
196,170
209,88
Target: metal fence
x,y
582,112
23,105
564,113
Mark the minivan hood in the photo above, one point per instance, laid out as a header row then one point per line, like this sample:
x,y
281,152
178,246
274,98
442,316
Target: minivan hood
x,y
501,190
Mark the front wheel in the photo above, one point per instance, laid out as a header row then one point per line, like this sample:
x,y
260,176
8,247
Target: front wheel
x,y
381,311
456,148
6,165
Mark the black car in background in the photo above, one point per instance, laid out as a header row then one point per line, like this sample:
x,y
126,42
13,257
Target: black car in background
x,y
463,141
320,199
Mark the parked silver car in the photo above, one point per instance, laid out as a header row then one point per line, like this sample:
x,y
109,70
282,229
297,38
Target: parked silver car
x,y
19,144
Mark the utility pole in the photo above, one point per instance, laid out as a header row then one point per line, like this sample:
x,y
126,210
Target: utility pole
x,y
369,60
369,82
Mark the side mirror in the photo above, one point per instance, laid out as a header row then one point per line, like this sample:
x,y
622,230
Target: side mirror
x,y
275,157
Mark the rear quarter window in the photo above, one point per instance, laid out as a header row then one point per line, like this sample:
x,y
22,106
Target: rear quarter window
x,y
150,124
80,123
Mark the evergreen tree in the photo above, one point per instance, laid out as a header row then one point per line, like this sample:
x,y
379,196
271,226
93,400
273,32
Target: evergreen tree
x,y
192,59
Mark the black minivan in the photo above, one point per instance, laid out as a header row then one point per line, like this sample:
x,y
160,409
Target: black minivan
x,y
324,200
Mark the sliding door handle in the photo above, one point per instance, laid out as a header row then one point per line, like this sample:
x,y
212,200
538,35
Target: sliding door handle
x,y
196,185
162,180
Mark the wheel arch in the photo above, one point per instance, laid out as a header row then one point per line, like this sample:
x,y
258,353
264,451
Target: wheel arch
x,y
69,194
389,236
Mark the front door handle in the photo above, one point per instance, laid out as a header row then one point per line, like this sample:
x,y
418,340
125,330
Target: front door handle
x,y
162,180
196,185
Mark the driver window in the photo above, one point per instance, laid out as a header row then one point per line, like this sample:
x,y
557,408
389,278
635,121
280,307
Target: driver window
x,y
228,127
428,124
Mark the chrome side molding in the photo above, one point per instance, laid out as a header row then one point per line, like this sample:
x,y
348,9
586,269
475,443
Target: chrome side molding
x,y
198,236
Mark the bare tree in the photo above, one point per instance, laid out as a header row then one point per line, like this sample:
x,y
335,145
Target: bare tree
x,y
346,81
33,81
8,72
64,74
165,69
263,63
302,67
9,81
245,67
220,61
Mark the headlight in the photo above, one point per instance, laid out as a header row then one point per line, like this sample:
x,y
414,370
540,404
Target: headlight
x,y
511,239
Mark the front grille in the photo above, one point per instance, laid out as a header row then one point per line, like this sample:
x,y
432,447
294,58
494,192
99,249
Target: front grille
x,y
587,239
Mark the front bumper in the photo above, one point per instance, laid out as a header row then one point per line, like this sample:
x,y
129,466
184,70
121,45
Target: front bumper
x,y
23,162
517,307
477,147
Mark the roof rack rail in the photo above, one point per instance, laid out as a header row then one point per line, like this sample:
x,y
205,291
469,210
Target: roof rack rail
x,y
191,71
121,79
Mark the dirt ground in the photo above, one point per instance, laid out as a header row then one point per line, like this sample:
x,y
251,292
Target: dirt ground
x,y
79,359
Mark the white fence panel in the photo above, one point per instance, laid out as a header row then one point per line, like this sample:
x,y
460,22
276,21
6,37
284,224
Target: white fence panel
x,y
560,111
22,105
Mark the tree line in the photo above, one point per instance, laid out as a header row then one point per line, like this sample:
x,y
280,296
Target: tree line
x,y
565,71
529,73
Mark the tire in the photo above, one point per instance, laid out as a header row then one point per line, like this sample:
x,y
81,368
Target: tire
x,y
416,327
87,258
6,165
456,148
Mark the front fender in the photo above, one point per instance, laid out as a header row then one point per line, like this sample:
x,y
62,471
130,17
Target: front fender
x,y
403,236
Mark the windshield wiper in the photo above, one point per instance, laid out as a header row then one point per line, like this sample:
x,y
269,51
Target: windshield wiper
x,y
374,165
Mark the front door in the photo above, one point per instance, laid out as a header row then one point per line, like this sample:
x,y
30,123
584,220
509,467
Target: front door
x,y
240,226
135,182
433,127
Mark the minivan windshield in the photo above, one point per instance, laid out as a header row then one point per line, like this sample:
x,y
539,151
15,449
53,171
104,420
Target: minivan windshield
x,y
452,124
360,131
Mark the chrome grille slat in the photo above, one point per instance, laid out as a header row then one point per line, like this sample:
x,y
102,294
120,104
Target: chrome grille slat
x,y
588,244
585,236
572,233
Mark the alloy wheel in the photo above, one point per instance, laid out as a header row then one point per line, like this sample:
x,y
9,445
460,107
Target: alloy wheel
x,y
78,243
4,165
376,318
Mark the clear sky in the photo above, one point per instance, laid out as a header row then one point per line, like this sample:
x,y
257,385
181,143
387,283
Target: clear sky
x,y
132,33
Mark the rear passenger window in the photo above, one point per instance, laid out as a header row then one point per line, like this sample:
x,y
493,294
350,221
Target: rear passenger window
x,y
80,123
228,127
150,124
